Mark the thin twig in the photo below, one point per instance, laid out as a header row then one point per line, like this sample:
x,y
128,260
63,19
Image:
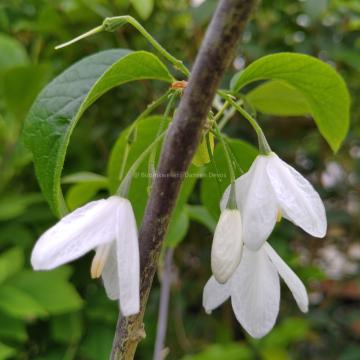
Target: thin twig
x,y
164,305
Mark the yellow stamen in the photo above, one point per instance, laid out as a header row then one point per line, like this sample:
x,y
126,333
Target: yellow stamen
x,y
279,216
99,260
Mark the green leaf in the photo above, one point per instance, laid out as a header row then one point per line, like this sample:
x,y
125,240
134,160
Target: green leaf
x,y
202,156
97,343
11,261
6,351
84,177
216,180
14,205
12,52
19,304
143,7
201,215
15,329
231,351
59,106
178,228
82,193
147,129
278,98
50,289
30,79
67,328
323,88
87,185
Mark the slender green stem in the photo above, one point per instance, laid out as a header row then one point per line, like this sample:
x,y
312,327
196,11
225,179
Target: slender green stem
x,y
226,117
167,111
231,204
123,189
80,37
220,113
263,144
124,160
129,141
111,24
226,151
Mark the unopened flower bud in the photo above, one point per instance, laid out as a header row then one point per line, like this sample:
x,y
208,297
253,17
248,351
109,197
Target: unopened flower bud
x,y
227,245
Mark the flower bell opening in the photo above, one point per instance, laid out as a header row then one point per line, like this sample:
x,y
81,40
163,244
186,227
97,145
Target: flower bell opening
x,y
99,261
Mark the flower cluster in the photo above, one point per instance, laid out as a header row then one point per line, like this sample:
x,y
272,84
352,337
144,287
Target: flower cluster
x,y
245,267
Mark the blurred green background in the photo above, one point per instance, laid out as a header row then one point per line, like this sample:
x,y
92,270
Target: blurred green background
x,y
62,314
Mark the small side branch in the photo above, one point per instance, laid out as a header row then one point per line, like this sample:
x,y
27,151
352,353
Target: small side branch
x,y
164,305
215,55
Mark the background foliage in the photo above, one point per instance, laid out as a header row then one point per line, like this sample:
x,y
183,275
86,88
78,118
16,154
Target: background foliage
x,y
63,314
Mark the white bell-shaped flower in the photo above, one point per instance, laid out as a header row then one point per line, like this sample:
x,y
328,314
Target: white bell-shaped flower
x,y
109,227
227,245
254,290
271,187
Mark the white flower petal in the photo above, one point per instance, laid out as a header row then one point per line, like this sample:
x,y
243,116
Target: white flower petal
x,y
291,279
257,203
110,274
227,245
255,293
215,294
298,200
76,234
127,247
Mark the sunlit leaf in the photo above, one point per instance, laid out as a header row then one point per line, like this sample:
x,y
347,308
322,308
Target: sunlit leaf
x,y
278,98
323,88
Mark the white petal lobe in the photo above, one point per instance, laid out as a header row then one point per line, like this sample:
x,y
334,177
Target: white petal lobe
x,y
291,279
227,245
76,234
110,274
128,260
215,294
257,203
255,293
298,200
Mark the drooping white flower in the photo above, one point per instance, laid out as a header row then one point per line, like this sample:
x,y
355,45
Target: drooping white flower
x,y
254,290
109,227
271,187
227,245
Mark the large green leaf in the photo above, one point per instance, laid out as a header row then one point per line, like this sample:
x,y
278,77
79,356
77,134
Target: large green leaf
x,y
60,105
278,98
217,177
322,87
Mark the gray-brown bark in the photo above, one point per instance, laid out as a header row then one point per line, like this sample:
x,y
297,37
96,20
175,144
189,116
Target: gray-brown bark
x,y
183,137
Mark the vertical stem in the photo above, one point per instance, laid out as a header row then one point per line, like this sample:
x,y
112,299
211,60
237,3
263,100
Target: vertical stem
x,y
164,305
183,137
